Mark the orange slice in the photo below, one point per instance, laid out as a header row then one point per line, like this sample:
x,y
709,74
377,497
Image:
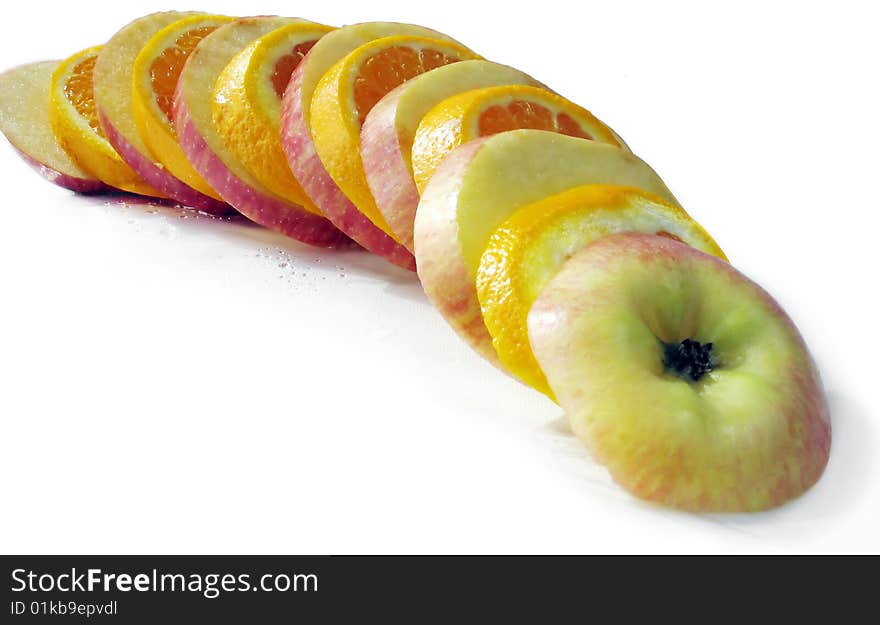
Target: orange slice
x,y
485,112
154,78
74,120
350,89
247,105
530,248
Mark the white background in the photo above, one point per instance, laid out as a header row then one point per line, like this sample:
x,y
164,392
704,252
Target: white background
x,y
172,384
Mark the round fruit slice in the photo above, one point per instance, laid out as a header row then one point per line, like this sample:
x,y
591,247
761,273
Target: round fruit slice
x,y
113,100
207,150
75,123
347,93
247,105
528,249
485,112
684,377
156,70
24,119
390,127
296,137
480,185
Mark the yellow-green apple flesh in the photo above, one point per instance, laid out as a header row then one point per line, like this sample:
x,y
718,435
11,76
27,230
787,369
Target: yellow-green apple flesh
x,y
299,147
208,153
482,183
388,132
113,100
24,120
527,250
685,378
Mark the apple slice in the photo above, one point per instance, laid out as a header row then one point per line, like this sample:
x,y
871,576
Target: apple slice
x,y
730,415
484,112
299,147
480,185
207,151
388,132
24,119
113,101
155,73
528,249
247,106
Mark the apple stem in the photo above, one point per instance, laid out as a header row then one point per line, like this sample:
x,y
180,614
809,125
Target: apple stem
x,y
690,359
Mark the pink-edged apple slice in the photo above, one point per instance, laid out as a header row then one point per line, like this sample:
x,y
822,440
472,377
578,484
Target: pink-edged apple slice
x,y
684,377
482,183
390,127
113,101
207,150
24,120
299,145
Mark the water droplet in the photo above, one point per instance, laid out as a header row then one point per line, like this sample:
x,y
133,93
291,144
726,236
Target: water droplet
x,y
282,265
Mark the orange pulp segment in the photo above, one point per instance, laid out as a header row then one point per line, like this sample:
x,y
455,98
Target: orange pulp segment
x,y
523,114
165,69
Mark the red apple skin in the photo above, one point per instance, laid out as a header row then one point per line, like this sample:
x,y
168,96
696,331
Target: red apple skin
x,y
272,213
309,171
390,180
157,177
84,186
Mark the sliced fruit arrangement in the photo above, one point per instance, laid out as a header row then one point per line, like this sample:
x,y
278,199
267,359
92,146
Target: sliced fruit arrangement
x,y
390,128
347,93
207,150
298,142
547,245
247,106
113,78
528,249
74,120
24,119
485,112
685,378
155,73
484,182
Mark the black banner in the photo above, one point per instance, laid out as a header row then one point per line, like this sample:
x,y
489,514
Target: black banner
x,y
341,589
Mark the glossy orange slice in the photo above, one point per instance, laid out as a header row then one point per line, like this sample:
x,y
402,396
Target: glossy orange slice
x,y
246,105
486,112
352,87
74,120
156,71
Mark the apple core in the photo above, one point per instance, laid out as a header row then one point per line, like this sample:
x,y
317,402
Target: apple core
x,y
689,360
